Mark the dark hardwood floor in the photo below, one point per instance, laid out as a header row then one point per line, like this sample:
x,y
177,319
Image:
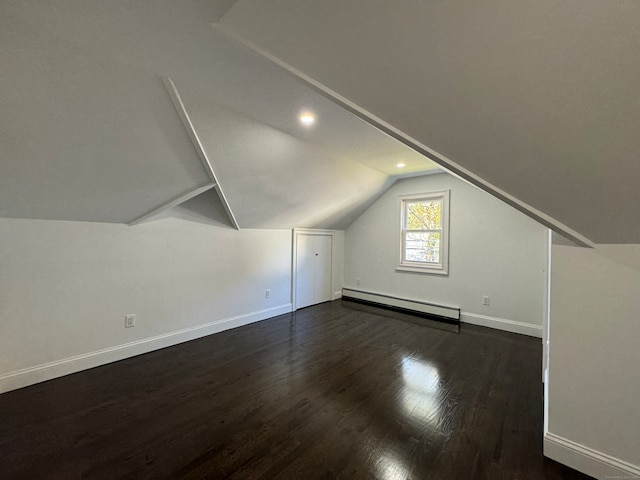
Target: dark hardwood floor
x,y
326,393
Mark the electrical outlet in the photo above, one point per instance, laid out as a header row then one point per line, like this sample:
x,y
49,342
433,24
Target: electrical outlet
x,y
486,300
357,281
267,293
129,321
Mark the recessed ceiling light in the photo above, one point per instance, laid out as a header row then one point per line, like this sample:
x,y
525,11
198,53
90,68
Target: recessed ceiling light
x,y
307,119
400,165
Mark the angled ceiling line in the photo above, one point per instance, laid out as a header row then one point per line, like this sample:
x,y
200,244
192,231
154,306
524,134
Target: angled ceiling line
x,y
409,141
197,144
172,203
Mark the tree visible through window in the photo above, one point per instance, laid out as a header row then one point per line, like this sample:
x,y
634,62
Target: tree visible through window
x,y
423,231
424,234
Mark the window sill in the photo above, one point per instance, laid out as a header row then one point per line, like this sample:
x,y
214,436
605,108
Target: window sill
x,y
419,269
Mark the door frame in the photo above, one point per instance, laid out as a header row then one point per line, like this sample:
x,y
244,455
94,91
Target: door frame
x,y
546,314
296,232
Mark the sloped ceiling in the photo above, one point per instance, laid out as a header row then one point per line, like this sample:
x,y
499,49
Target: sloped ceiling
x,y
539,98
205,208
89,132
273,179
84,138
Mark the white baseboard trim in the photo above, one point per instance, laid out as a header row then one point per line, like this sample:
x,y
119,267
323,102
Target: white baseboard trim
x,y
337,295
587,460
47,371
501,324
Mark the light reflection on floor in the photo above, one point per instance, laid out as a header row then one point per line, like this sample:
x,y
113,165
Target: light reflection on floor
x,y
419,405
419,397
389,467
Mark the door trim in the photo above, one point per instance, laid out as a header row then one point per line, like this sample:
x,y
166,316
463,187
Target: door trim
x,y
294,257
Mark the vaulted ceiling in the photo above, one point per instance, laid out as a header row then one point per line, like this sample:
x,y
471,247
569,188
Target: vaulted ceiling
x,y
89,131
534,101
537,98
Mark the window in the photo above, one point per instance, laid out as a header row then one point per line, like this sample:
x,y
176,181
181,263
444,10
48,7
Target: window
x,y
424,235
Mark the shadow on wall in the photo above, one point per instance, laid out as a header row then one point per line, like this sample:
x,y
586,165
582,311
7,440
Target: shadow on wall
x,y
205,208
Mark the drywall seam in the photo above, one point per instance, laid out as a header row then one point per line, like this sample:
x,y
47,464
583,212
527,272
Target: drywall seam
x,y
586,459
411,142
512,326
47,371
197,144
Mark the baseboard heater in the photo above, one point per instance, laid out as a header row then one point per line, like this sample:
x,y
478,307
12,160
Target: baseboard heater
x,y
431,311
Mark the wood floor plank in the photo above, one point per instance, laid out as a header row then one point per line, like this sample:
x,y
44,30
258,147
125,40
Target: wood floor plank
x,y
327,392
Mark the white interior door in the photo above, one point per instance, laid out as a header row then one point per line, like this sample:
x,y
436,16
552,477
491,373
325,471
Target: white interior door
x,y
305,271
322,265
313,269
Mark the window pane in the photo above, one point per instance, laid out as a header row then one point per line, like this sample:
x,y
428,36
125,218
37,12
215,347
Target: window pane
x,y
423,215
422,247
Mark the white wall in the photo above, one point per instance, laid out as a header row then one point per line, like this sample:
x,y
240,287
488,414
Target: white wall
x,y
494,250
594,364
66,286
337,263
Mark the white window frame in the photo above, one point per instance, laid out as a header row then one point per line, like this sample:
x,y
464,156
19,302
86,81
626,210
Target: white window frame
x,y
441,268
